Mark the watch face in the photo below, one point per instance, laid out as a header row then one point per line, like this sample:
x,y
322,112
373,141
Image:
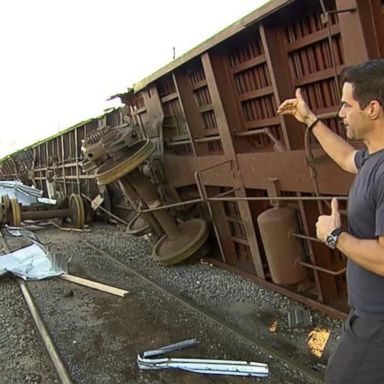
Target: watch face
x,y
331,241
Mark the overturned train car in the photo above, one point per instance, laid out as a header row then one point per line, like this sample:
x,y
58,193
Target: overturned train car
x,y
198,153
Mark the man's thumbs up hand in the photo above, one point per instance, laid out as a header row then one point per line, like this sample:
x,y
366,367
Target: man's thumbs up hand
x,y
326,224
335,209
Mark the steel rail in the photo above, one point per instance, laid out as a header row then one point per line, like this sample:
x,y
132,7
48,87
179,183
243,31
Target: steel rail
x,y
284,291
208,315
49,344
280,198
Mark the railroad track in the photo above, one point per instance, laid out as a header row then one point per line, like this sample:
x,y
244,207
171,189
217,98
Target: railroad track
x,y
52,351
62,372
246,336
49,343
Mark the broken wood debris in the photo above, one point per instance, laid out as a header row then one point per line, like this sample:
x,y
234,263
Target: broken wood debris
x,y
94,284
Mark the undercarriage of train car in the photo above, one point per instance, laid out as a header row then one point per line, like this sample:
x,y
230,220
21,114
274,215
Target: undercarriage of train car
x,y
199,160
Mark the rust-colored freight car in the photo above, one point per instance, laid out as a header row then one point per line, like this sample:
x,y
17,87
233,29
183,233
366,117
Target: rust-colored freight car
x,y
201,136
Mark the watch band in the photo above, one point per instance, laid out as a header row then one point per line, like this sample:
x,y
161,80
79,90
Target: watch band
x,y
312,125
337,231
332,238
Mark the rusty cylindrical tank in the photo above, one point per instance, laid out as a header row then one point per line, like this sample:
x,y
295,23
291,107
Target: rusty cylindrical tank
x,y
282,250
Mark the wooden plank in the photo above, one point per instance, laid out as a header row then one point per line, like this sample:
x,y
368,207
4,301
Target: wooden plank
x,y
206,108
95,285
313,38
262,123
318,76
199,84
248,64
239,240
256,93
141,110
172,96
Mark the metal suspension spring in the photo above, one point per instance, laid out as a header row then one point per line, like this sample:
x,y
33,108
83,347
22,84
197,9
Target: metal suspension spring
x,y
93,137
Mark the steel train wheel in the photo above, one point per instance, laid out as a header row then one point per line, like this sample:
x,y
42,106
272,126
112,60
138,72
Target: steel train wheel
x,y
193,235
76,205
6,201
60,198
113,170
138,226
4,209
15,219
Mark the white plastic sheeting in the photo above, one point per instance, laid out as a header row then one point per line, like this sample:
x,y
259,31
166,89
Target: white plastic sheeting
x,y
24,194
30,263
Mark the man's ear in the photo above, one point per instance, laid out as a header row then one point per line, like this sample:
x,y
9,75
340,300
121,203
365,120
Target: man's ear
x,y
374,109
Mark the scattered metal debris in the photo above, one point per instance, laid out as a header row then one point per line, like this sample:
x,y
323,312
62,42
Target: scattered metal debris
x,y
31,262
45,200
24,194
171,348
22,232
146,361
34,262
299,318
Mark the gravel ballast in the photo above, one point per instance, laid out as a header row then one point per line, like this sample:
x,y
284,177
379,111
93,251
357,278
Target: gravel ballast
x,y
99,334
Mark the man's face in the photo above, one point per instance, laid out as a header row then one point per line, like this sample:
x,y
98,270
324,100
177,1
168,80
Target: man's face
x,y
355,119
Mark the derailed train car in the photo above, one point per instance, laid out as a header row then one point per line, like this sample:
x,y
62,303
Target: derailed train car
x,y
198,152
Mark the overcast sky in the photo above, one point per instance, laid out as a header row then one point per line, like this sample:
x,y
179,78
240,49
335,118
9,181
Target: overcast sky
x,y
61,60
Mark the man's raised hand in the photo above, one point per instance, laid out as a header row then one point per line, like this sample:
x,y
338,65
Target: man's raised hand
x,y
298,108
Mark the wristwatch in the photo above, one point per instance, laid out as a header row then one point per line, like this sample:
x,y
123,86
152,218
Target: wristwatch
x,y
332,238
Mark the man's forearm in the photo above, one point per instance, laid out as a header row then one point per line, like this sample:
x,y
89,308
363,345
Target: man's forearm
x,y
369,254
334,145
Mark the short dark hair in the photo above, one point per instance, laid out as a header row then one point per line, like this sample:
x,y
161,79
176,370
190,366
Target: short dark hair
x,y
367,80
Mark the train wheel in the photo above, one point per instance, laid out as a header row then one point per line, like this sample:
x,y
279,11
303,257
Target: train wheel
x,y
113,170
193,235
138,226
15,219
76,205
4,209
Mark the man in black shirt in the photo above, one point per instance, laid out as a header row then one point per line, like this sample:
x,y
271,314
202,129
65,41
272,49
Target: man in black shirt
x,y
359,355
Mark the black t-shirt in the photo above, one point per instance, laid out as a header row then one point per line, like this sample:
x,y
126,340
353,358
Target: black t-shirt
x,y
366,221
